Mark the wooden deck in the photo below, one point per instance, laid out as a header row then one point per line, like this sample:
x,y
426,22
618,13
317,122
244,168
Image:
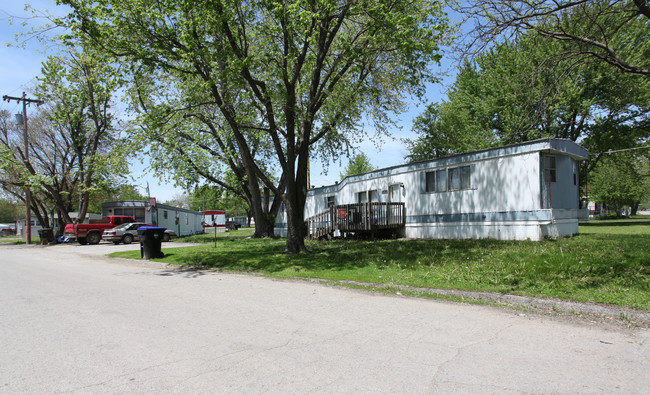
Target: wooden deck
x,y
361,218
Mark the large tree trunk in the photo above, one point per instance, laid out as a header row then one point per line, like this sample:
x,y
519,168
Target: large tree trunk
x,y
265,215
264,227
261,222
62,222
295,235
295,206
40,211
83,207
63,207
264,218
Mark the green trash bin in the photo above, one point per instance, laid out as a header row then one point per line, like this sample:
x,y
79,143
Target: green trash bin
x,y
150,241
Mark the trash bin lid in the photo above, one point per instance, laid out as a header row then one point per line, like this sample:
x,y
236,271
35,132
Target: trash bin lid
x,y
151,228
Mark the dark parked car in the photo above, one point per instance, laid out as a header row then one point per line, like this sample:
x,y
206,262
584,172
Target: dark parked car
x,y
232,225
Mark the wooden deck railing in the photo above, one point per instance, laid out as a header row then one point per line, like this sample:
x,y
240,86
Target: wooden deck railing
x,y
361,217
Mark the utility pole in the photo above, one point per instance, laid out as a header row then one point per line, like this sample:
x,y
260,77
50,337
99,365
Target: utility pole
x,y
28,192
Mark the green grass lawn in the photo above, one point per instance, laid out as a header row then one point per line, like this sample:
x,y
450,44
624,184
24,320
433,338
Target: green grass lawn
x,y
603,264
19,240
614,219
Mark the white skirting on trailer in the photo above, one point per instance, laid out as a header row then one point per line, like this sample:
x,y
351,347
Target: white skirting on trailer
x,y
469,230
535,231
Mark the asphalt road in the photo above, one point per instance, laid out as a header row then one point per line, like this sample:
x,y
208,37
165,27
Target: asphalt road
x,y
73,321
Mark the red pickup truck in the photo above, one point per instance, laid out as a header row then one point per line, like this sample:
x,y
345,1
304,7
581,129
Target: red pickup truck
x,y
91,233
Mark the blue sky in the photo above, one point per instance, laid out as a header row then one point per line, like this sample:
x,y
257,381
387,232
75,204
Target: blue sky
x,y
19,68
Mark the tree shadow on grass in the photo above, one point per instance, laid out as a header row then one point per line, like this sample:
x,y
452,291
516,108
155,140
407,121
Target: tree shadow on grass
x,y
271,259
339,255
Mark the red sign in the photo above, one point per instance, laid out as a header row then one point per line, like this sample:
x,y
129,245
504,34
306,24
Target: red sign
x,y
214,212
152,202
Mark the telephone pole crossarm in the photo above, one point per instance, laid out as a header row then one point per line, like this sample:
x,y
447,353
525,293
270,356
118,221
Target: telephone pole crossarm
x,y
23,99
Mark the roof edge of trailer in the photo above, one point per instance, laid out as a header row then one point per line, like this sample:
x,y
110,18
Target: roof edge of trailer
x,y
554,145
142,203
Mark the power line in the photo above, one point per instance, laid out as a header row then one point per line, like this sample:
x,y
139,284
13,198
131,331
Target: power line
x,y
625,149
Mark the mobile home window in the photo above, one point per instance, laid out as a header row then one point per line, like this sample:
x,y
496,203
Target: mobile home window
x,y
330,201
441,180
363,197
575,173
436,181
549,168
139,214
373,196
431,181
165,215
459,178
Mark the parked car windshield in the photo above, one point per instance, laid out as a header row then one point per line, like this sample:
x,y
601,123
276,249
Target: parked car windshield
x,y
127,226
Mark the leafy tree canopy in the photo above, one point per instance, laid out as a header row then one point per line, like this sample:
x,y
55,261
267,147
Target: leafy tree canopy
x,y
621,181
10,210
193,144
297,74
208,197
73,149
614,32
108,192
513,93
358,164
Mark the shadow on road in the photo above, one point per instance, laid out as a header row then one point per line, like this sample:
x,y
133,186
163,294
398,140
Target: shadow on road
x,y
182,271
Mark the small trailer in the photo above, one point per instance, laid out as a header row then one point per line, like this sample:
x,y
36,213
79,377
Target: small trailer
x,y
214,220
182,221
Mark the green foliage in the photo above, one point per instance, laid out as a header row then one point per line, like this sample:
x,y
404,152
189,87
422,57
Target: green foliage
x,y
205,197
620,181
530,88
446,129
604,264
294,77
73,149
208,197
113,193
358,164
9,211
614,33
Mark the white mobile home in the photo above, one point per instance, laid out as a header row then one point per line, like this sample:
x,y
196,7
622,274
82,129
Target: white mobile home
x,y
516,192
54,222
182,221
